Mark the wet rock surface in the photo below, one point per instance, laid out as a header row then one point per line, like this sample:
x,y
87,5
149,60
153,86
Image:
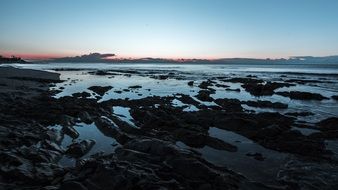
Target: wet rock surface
x,y
258,87
148,152
204,95
266,104
296,114
79,149
335,97
267,89
309,175
100,90
302,95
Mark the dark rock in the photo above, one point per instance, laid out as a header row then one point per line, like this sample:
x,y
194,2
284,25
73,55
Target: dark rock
x,y
297,114
135,87
70,131
328,124
72,185
283,139
335,97
199,140
186,99
243,80
53,135
81,95
205,84
204,95
52,146
85,117
153,147
257,156
232,105
39,155
266,89
78,149
125,126
66,120
191,83
331,134
234,90
110,129
304,81
305,174
163,77
266,104
102,73
220,145
302,95
100,90
270,132
222,85
107,126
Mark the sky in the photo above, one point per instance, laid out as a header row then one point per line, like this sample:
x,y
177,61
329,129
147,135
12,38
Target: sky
x,y
207,29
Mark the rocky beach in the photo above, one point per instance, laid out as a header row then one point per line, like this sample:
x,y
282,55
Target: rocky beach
x,y
166,128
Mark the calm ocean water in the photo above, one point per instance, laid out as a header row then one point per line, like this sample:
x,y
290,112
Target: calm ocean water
x,y
215,68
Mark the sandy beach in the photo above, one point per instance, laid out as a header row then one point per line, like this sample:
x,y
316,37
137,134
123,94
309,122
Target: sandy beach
x,y
24,82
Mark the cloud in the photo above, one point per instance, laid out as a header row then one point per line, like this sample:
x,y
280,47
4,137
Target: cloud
x,y
92,57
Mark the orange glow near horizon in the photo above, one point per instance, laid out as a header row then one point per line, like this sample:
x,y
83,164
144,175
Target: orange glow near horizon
x,y
46,56
34,56
51,56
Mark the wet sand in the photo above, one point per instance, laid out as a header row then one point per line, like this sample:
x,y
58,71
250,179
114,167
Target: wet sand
x,y
15,81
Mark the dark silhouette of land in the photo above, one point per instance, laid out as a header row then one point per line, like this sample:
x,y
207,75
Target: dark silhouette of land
x,y
12,59
111,58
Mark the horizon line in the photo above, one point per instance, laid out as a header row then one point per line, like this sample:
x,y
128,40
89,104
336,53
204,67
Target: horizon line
x,y
43,57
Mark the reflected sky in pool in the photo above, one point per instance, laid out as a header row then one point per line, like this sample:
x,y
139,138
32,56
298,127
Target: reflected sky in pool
x,y
79,79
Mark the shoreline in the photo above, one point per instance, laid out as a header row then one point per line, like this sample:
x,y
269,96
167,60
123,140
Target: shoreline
x,y
330,70
159,147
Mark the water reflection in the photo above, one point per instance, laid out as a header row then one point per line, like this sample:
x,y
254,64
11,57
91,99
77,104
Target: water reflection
x,y
86,131
239,161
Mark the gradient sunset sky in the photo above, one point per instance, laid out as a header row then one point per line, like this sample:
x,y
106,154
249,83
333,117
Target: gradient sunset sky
x,y
169,28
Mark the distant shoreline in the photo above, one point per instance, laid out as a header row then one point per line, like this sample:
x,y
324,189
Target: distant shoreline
x,y
105,58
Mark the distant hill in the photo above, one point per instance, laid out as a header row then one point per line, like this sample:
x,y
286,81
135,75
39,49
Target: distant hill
x,y
90,58
311,59
110,58
11,60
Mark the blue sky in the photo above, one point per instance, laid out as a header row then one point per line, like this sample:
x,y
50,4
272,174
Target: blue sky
x,y
170,28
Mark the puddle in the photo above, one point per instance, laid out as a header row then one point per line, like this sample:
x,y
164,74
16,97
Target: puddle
x,y
238,161
191,108
124,114
333,146
305,131
187,107
178,103
141,75
86,131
